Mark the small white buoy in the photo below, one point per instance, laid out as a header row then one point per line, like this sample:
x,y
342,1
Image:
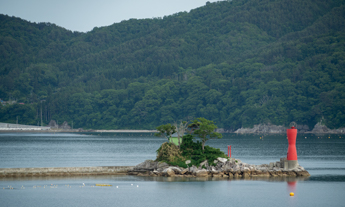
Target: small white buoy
x,y
131,184
137,186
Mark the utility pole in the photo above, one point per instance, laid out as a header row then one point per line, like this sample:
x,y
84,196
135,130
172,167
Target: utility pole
x,y
72,124
57,124
41,113
17,119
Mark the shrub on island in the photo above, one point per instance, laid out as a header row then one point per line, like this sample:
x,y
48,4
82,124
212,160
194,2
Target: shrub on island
x,y
189,150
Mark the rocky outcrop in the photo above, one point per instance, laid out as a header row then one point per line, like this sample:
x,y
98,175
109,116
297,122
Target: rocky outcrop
x,y
274,129
322,129
222,130
147,165
225,168
302,128
65,125
262,129
54,125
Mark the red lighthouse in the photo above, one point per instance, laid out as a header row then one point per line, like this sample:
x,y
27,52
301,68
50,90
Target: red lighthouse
x,y
292,152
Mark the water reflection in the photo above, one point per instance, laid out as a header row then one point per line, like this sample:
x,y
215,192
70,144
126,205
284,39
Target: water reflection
x,y
160,179
291,186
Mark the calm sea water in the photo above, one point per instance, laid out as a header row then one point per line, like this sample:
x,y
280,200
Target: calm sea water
x,y
323,156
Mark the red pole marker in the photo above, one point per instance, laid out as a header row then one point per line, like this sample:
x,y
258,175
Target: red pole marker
x,y
230,150
292,152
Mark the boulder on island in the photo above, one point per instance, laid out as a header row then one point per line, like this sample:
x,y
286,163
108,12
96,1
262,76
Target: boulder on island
x,y
201,173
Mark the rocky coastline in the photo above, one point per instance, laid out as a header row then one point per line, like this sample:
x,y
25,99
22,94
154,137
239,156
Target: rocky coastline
x,y
322,129
224,168
257,129
275,129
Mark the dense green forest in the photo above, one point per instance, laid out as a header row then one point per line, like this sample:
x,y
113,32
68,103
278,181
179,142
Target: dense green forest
x,y
238,63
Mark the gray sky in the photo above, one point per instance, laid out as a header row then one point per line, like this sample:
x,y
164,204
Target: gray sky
x,y
84,15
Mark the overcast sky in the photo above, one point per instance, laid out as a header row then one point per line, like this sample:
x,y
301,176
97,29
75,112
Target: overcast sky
x,y
84,15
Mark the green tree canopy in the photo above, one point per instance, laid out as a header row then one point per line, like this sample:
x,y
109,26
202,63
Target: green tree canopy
x,y
166,131
205,130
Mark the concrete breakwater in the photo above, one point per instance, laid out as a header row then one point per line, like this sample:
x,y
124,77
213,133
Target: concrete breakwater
x,y
64,171
226,168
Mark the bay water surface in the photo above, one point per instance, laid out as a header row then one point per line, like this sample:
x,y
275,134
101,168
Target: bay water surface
x,y
322,155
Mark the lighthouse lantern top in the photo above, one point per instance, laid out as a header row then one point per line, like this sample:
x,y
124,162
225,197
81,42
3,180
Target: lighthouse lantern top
x,y
293,125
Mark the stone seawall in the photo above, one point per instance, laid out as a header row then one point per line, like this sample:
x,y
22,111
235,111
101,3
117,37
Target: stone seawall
x,y
64,171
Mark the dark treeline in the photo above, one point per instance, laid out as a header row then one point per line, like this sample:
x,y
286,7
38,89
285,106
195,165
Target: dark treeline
x,y
238,63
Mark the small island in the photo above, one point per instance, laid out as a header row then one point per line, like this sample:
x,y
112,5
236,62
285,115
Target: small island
x,y
181,156
188,158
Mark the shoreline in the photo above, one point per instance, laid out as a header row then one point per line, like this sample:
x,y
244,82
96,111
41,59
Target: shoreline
x,y
279,129
79,131
150,131
260,129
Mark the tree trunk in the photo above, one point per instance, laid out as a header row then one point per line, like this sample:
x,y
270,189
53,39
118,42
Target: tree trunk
x,y
203,146
178,137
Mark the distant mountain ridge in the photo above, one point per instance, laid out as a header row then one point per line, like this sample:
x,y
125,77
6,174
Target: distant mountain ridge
x,y
239,63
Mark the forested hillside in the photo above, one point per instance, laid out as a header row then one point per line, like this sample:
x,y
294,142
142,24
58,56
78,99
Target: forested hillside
x,y
238,63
